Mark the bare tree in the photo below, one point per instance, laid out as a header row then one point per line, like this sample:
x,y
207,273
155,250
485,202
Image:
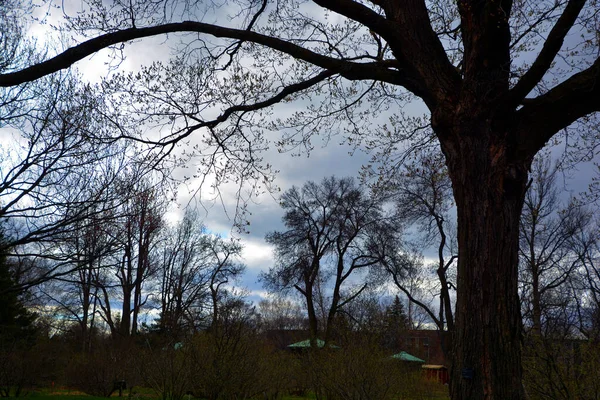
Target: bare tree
x,y
75,296
135,234
547,238
423,195
331,230
60,164
58,176
196,269
184,275
585,288
225,268
281,313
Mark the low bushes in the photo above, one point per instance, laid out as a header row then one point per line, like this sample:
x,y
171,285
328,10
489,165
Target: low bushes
x,y
361,371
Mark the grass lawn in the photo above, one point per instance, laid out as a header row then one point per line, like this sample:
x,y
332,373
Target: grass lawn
x,y
148,394
70,394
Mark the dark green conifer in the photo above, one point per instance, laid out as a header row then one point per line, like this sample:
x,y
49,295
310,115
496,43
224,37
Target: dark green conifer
x,y
16,322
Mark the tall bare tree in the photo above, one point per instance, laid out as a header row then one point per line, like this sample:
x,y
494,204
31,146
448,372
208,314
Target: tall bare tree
x,y
58,161
195,269
57,174
75,296
548,231
184,275
585,288
225,267
423,194
135,234
331,233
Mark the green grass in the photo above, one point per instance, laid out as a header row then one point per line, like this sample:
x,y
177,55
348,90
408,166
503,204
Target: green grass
x,y
70,394
40,396
148,394
65,395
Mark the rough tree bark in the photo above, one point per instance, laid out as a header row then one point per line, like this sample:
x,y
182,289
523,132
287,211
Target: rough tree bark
x,y
313,321
487,336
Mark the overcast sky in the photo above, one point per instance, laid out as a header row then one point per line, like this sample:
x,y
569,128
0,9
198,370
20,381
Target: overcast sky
x,y
326,159
266,214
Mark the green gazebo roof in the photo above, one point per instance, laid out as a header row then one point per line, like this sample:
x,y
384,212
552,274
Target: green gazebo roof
x,y
305,344
404,356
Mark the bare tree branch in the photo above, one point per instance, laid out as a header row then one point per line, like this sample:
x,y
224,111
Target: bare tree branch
x,y
551,47
539,119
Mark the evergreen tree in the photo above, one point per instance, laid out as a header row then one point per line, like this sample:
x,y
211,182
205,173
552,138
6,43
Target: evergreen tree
x,y
395,323
396,316
16,322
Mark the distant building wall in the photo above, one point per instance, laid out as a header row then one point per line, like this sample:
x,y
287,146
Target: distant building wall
x,y
425,344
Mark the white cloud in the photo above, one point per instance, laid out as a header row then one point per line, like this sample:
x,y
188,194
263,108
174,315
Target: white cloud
x,y
257,255
258,295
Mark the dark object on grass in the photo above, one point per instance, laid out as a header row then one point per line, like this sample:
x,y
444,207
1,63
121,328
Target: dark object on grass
x,y
120,386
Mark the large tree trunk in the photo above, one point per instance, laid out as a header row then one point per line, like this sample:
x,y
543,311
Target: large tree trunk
x,y
86,287
214,296
335,301
536,302
125,326
489,186
313,323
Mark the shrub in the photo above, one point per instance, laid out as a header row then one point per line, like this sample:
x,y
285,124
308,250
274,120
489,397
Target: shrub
x,y
237,365
362,370
97,372
562,369
167,370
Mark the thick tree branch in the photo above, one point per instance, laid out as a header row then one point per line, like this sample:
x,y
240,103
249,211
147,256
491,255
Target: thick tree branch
x,y
241,108
419,303
386,71
352,297
552,46
359,13
412,33
542,117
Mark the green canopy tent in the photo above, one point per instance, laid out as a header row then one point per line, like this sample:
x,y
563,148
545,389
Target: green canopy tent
x,y
404,356
305,344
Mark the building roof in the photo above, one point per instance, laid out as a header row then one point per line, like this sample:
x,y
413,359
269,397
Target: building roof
x,y
305,344
404,356
430,366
